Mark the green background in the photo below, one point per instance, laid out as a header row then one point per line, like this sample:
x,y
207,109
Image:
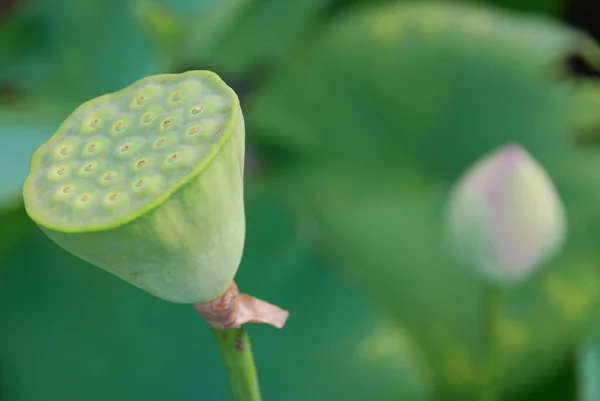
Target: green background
x,y
360,115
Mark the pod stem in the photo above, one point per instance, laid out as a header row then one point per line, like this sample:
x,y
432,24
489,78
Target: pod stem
x,y
490,388
227,315
236,351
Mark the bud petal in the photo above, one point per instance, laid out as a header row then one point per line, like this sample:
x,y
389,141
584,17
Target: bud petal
x,y
505,216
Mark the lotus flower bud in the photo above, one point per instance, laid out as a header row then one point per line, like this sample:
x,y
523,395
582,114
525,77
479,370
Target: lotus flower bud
x,y
505,216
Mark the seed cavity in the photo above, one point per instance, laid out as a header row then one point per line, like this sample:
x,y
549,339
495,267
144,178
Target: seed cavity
x,y
108,176
160,142
88,167
148,117
140,99
216,135
194,130
139,183
91,148
119,126
61,171
94,123
167,123
172,158
67,189
112,197
141,163
84,198
177,96
197,110
64,150
125,148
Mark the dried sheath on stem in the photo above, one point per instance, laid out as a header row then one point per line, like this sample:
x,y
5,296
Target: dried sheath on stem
x,y
233,309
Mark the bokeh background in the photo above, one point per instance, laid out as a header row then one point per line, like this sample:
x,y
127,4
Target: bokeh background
x,y
360,115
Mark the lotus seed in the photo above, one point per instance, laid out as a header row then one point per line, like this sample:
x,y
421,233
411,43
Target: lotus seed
x,y
67,189
139,183
160,142
197,110
177,96
194,130
84,198
94,123
141,163
147,118
112,197
167,123
214,138
125,148
108,176
119,127
140,100
60,171
88,167
64,150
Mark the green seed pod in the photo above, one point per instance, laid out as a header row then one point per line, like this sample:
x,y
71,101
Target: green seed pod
x,y
147,183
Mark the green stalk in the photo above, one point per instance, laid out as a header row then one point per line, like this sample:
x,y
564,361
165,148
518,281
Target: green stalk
x,y
490,388
239,362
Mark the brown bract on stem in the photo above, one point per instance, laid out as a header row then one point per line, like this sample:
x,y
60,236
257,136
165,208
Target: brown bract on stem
x,y
233,309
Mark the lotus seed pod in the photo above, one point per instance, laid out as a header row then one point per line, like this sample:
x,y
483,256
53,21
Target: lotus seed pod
x,y
505,216
147,183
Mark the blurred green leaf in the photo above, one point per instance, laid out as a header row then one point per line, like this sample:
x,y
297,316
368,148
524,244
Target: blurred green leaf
x,y
550,7
380,119
229,36
588,369
19,144
72,331
88,48
14,226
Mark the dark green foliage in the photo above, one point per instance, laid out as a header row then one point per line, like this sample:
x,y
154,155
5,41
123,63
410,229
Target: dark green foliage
x,y
359,118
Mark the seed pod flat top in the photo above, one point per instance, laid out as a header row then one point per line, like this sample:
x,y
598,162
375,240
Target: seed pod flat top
x,y
122,154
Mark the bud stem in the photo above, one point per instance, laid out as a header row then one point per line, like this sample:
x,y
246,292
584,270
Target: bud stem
x,y
489,388
239,362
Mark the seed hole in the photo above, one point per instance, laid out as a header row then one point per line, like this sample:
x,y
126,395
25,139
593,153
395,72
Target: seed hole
x,y
147,118
64,150
91,147
141,163
88,167
60,171
216,136
194,130
120,126
177,96
173,157
108,176
112,197
140,99
125,148
84,198
94,123
168,122
67,189
197,110
139,183
160,142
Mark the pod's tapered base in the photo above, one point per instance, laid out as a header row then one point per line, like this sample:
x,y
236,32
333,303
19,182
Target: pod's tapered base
x,y
232,309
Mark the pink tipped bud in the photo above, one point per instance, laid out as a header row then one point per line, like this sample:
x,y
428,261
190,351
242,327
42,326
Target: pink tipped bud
x,y
505,216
